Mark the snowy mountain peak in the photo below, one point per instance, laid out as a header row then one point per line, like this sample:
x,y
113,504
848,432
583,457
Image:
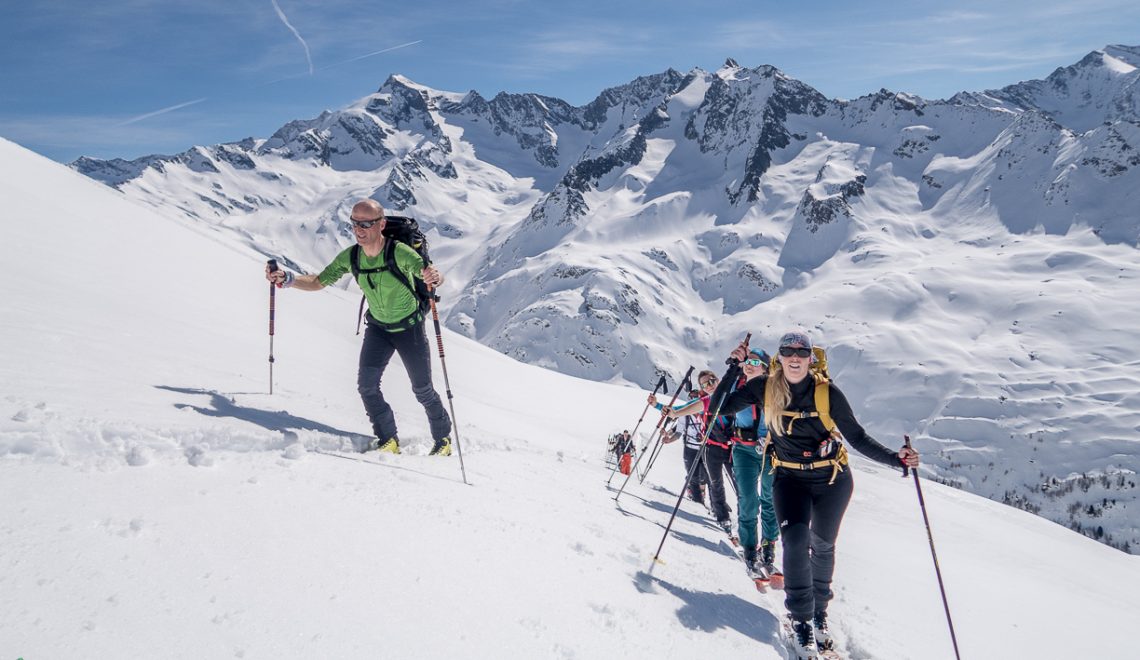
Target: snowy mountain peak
x,y
1127,54
1101,88
1119,65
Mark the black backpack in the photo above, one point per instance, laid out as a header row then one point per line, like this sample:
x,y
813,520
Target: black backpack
x,y
406,231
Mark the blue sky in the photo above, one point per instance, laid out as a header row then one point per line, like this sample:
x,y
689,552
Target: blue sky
x,y
126,78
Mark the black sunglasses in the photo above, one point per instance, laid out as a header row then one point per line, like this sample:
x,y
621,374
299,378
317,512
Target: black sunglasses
x,y
789,351
365,224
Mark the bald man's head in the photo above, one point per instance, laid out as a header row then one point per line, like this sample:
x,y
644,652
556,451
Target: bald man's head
x,y
367,209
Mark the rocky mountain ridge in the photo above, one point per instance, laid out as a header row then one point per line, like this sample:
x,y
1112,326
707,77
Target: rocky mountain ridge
x,y
650,229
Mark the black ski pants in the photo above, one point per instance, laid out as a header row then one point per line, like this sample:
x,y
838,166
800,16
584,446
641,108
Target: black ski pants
x,y
698,475
810,511
412,345
718,460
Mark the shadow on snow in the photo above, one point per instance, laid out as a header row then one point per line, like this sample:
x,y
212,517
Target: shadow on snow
x,y
272,420
282,421
710,612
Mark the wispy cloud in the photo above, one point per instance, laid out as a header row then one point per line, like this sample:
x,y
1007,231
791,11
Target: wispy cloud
x,y
749,35
574,46
163,111
65,138
285,20
930,53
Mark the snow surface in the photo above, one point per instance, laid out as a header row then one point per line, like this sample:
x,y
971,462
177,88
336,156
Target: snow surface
x,y
155,501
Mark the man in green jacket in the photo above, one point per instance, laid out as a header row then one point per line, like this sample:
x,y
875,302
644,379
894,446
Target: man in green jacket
x,y
395,324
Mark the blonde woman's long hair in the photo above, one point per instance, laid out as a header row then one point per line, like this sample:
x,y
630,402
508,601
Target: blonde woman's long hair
x,y
777,396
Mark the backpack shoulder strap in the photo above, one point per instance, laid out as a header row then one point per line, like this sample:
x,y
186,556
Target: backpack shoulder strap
x,y
394,268
823,403
758,421
354,260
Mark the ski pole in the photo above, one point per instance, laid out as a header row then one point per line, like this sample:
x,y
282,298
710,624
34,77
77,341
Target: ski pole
x,y
659,386
933,554
731,373
432,297
656,451
655,430
272,314
687,385
681,496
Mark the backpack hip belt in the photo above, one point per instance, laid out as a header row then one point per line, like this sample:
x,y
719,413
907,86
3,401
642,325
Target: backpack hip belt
x,y
836,464
398,229
747,437
409,321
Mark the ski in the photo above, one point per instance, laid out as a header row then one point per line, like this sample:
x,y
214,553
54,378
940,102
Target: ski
x,y
775,575
728,531
759,579
788,637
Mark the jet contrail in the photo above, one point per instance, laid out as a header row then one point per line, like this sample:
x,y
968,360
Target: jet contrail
x,y
160,112
311,71
360,57
285,20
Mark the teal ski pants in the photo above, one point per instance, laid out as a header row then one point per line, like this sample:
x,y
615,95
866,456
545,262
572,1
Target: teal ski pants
x,y
754,479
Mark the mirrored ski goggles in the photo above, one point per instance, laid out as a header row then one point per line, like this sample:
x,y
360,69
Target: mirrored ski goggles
x,y
364,224
755,362
710,381
789,351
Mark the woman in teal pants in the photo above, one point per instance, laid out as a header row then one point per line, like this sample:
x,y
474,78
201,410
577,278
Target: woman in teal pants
x,y
754,477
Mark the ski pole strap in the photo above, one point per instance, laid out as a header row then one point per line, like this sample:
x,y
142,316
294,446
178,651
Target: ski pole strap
x,y
836,464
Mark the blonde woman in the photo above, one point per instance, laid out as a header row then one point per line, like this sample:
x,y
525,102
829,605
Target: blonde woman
x,y
813,482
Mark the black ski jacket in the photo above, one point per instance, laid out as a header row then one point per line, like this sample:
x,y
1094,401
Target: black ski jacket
x,y
802,445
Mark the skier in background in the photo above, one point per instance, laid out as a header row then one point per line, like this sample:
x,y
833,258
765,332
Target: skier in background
x,y
718,441
691,432
754,478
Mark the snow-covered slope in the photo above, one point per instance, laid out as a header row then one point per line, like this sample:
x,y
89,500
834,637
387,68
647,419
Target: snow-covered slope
x,y
1100,89
965,260
156,502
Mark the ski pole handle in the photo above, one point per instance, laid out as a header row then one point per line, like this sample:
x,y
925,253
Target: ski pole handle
x,y
272,264
272,306
731,361
906,470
